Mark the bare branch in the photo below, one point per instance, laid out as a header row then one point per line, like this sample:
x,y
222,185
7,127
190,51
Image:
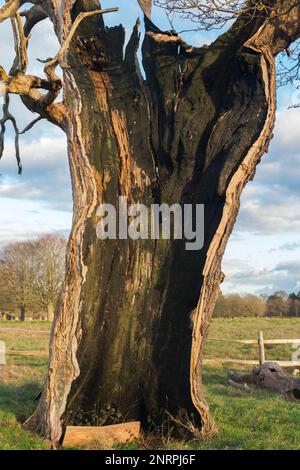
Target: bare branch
x,y
7,116
21,42
33,16
23,84
31,125
10,9
54,112
241,387
289,69
215,14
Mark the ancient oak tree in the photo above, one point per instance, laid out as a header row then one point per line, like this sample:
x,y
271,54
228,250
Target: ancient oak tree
x,y
132,319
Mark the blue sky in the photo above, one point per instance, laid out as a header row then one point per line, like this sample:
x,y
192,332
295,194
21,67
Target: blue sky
x,y
263,254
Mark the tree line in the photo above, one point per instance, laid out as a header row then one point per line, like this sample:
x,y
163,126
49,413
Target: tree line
x,y
279,304
31,275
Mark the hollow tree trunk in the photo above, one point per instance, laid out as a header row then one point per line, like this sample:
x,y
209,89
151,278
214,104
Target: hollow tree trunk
x,y
130,327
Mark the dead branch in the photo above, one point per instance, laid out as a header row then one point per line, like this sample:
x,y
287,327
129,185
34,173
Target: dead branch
x,y
27,86
270,376
35,102
10,9
54,112
23,84
33,16
7,116
21,42
241,387
31,125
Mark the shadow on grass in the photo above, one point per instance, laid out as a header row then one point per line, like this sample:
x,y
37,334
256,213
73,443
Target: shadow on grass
x,y
29,362
16,405
18,400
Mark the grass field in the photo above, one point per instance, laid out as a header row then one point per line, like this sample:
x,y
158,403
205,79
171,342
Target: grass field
x,y
260,421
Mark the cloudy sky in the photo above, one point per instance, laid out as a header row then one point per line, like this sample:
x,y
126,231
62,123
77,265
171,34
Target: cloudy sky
x,y
264,252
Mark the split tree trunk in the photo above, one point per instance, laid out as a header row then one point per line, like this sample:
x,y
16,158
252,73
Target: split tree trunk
x,y
129,331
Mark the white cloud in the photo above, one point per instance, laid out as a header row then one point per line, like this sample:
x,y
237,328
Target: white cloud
x,y
22,219
272,202
45,175
284,276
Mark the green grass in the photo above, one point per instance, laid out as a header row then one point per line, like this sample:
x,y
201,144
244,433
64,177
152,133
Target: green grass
x,y
20,382
260,421
247,328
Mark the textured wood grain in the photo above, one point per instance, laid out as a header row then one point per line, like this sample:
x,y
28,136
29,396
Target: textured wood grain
x,y
87,436
146,6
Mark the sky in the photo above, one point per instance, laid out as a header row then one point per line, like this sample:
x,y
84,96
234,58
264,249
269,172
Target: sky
x,y
263,254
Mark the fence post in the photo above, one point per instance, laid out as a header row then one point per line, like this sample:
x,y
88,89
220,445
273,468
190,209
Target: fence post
x,y
2,353
261,348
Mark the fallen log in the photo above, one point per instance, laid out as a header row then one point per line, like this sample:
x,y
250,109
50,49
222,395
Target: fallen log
x,y
87,436
270,376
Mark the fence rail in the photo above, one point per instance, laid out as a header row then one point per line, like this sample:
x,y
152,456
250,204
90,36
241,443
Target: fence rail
x,y
260,342
246,362
254,341
11,352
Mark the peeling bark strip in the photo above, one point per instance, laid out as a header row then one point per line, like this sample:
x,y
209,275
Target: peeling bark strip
x,y
212,269
130,327
146,6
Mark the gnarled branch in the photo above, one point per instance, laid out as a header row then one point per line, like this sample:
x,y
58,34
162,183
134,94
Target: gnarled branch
x,y
7,116
10,9
33,16
21,41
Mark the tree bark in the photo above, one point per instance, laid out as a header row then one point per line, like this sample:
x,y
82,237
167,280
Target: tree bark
x,y
129,331
22,313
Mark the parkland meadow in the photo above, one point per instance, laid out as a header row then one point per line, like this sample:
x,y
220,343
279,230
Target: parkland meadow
x,y
258,420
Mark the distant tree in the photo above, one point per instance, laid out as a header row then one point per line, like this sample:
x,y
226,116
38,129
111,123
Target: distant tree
x,y
17,276
277,305
5,300
50,267
254,305
235,305
294,305
31,274
220,307
281,293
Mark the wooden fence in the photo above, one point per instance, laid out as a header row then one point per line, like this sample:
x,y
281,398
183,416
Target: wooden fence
x,y
260,342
